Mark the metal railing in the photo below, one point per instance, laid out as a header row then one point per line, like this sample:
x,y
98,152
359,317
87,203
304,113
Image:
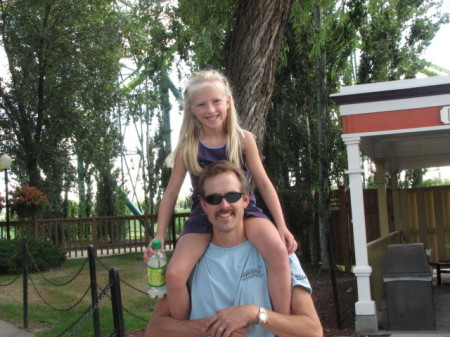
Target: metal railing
x,y
110,235
376,251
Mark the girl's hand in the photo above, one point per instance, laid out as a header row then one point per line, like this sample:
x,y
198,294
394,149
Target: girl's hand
x,y
232,321
149,251
288,238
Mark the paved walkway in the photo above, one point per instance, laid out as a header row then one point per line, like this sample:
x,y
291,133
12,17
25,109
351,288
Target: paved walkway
x,y
9,330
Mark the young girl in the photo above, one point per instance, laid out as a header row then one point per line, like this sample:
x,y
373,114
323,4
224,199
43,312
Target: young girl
x,y
210,132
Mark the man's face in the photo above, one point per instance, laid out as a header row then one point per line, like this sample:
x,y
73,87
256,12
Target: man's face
x,y
226,216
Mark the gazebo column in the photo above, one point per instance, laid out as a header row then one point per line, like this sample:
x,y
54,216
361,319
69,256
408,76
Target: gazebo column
x,y
382,199
396,201
366,318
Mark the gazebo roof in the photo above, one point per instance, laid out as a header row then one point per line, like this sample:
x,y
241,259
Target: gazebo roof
x,y
405,122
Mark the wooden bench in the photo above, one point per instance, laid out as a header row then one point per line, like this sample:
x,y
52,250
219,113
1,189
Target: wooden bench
x,y
441,267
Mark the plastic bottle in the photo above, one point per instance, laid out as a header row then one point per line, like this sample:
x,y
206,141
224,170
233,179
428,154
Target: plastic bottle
x,y
156,268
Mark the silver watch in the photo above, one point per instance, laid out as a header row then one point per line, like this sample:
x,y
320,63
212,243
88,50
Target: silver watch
x,y
262,316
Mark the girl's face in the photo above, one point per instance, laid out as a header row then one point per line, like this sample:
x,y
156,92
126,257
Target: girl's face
x,y
209,105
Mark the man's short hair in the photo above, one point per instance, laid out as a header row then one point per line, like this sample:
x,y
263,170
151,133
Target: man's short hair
x,y
218,167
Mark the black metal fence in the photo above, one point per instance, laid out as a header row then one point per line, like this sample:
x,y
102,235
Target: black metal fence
x,y
112,290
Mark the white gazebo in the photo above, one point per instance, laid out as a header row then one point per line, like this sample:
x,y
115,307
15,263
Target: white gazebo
x,y
400,125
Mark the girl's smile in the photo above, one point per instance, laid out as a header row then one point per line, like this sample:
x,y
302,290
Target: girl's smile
x,y
210,105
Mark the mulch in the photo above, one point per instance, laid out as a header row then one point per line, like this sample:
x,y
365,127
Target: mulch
x,y
324,300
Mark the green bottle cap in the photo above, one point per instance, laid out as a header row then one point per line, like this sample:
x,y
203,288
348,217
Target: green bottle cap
x,y
156,244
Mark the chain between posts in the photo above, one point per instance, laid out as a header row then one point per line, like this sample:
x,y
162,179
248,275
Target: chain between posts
x,y
78,323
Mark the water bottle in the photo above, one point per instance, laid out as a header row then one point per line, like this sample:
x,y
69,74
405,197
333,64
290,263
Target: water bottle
x,y
156,268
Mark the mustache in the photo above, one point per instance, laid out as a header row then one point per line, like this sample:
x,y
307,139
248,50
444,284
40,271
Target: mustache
x,y
225,211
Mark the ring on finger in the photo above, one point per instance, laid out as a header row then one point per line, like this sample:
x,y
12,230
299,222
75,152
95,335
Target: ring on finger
x,y
221,328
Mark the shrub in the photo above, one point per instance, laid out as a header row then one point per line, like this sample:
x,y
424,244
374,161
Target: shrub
x,y
2,203
27,200
45,254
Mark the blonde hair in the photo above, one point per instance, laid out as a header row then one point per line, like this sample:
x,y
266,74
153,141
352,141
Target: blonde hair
x,y
190,130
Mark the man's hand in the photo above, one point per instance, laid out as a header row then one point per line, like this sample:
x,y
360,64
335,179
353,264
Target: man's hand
x,y
233,321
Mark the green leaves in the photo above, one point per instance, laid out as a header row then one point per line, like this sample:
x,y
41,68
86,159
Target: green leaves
x,y
64,63
394,34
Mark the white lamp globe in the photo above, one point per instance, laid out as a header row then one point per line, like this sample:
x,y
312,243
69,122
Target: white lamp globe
x,y
5,162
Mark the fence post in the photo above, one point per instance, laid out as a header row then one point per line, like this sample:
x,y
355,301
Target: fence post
x,y
36,230
94,230
174,232
25,281
116,299
146,228
337,308
93,275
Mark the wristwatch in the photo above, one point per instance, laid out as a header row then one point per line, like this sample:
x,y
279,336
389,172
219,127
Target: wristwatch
x,y
262,316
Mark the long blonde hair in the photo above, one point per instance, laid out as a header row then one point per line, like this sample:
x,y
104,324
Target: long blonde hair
x,y
191,128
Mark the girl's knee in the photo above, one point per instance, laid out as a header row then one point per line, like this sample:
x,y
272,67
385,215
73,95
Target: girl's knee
x,y
280,251
175,277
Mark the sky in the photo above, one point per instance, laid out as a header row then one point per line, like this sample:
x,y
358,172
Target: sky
x,y
439,50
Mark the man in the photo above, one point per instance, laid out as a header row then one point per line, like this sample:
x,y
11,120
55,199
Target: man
x,y
229,295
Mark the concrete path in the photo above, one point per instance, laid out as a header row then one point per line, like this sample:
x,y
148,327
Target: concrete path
x,y
9,330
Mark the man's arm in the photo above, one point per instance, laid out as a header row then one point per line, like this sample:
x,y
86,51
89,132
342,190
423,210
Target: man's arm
x,y
302,322
163,325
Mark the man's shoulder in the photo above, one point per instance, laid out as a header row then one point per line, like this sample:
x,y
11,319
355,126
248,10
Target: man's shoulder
x,y
298,276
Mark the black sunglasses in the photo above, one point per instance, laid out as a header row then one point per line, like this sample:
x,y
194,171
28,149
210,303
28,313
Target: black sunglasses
x,y
215,199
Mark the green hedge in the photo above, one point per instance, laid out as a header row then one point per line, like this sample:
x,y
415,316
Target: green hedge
x,y
45,254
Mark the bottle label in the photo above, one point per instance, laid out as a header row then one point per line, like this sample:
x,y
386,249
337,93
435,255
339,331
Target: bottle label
x,y
156,276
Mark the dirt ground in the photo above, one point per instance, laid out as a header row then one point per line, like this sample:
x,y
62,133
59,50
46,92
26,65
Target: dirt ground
x,y
325,303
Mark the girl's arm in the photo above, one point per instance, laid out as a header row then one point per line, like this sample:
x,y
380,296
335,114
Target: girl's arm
x,y
266,189
168,202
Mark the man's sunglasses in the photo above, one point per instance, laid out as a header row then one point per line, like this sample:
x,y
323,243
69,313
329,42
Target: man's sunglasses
x,y
231,197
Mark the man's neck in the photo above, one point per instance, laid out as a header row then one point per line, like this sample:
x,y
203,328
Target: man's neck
x,y
228,239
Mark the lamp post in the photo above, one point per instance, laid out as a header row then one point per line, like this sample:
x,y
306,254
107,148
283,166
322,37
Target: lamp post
x,y
5,164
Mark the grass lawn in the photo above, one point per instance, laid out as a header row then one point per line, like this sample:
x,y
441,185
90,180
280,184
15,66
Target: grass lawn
x,y
47,322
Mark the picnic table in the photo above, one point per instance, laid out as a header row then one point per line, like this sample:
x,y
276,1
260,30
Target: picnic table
x,y
442,266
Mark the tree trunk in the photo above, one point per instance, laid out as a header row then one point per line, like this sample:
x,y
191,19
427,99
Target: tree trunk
x,y
252,56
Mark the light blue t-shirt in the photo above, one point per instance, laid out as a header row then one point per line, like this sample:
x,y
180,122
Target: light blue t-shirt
x,y
226,277
298,276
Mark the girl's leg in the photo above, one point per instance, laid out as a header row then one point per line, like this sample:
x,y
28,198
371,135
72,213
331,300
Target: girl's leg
x,y
264,236
190,247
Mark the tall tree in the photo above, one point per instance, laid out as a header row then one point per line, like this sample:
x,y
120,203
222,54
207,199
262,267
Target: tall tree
x,y
63,60
394,35
318,42
252,55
